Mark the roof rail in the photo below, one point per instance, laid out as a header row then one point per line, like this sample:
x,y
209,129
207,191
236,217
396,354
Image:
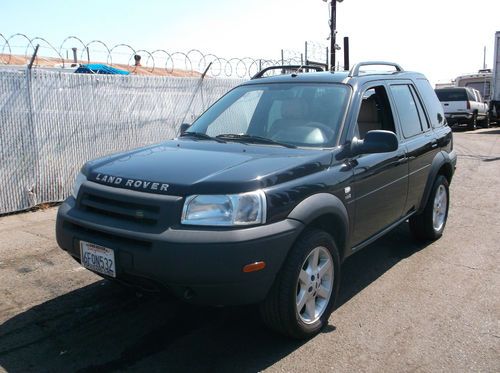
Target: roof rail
x,y
284,68
356,68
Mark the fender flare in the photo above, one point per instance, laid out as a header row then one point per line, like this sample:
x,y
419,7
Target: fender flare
x,y
441,159
322,204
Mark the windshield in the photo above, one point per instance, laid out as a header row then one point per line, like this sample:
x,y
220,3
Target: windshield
x,y
296,114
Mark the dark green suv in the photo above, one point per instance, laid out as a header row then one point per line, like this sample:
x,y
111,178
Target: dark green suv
x,y
265,195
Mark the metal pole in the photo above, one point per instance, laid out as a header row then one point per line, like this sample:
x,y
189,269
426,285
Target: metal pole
x,y
326,58
346,53
30,65
305,53
333,28
484,58
282,58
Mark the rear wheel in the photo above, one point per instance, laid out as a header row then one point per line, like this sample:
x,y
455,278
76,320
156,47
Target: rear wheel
x,y
485,123
429,225
472,122
304,292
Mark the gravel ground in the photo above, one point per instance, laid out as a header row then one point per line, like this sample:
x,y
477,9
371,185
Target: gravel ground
x,y
403,306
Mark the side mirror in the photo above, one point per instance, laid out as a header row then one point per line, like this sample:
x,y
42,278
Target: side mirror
x,y
375,142
184,127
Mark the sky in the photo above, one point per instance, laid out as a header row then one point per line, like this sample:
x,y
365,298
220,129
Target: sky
x,y
440,38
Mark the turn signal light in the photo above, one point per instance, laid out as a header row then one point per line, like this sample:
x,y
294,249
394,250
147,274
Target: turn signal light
x,y
253,267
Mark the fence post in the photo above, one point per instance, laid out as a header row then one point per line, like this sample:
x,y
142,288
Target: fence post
x,y
198,86
305,52
32,141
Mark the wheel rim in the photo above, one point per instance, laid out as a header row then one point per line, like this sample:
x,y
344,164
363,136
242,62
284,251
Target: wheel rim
x,y
440,208
314,285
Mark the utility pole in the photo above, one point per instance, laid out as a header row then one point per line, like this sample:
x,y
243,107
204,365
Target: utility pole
x,y
333,32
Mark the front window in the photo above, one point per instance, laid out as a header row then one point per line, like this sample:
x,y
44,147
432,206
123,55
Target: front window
x,y
303,114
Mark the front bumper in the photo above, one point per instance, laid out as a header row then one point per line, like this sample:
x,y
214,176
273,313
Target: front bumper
x,y
202,266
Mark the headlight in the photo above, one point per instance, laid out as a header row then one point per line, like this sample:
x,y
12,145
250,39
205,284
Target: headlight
x,y
225,210
80,178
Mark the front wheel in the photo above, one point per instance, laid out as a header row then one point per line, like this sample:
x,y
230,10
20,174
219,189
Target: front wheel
x,y
429,225
304,292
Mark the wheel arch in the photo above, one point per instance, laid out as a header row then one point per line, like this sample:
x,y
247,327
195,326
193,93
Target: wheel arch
x,y
441,165
327,212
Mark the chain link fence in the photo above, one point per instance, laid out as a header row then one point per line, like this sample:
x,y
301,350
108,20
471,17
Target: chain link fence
x,y
51,123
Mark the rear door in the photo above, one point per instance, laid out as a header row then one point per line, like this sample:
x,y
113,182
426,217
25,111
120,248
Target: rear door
x,y
482,107
418,138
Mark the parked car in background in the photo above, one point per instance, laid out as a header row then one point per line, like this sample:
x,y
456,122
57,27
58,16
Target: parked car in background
x,y
464,106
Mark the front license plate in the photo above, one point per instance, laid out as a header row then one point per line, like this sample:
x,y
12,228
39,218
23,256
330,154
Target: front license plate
x,y
98,258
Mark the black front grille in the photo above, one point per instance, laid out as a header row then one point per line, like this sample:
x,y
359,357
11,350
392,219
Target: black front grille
x,y
124,210
129,210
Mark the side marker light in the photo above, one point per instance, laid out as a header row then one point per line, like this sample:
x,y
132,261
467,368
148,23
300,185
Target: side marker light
x,y
253,267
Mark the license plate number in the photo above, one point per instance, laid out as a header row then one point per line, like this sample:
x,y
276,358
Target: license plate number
x,y
98,258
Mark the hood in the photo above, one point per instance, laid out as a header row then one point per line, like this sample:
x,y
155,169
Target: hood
x,y
185,166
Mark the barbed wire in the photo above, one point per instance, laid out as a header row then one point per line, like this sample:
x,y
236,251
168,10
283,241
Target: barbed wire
x,y
193,61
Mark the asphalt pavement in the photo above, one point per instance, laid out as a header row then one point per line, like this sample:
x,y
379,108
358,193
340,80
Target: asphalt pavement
x,y
403,306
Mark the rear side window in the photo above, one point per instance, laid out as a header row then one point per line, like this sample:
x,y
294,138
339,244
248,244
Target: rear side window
x,y
451,94
407,110
431,102
470,95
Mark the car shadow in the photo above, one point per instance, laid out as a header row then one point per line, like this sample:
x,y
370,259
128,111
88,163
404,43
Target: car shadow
x,y
488,131
103,327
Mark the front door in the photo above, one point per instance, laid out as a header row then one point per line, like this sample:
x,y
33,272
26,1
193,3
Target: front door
x,y
380,182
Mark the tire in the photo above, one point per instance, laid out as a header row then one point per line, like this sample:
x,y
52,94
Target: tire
x,y
429,225
280,310
472,123
486,122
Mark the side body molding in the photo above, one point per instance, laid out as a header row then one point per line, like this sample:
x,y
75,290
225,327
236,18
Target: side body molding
x,y
329,206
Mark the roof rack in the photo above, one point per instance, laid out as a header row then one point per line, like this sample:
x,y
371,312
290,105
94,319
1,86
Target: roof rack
x,y
287,68
356,68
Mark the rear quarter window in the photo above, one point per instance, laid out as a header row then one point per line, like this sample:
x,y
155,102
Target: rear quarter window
x,y
431,102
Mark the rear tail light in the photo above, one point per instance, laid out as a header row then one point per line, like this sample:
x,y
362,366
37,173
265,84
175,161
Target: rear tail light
x,y
468,104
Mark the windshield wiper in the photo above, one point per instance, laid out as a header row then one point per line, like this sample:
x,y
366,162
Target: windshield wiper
x,y
201,135
252,139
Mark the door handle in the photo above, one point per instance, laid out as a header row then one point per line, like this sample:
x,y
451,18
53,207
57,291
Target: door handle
x,y
434,144
401,160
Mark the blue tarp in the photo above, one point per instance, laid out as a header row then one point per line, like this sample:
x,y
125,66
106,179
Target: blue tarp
x,y
99,68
